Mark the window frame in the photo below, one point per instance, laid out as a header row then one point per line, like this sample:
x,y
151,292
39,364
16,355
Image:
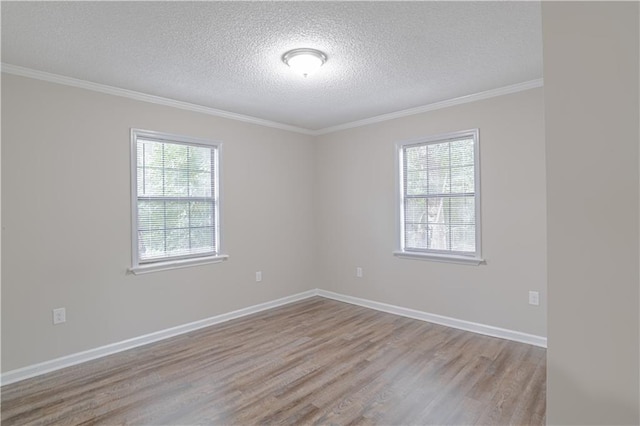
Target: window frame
x,y
162,264
401,251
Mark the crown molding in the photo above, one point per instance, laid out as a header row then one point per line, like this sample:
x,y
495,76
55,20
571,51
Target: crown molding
x,y
138,96
116,91
514,88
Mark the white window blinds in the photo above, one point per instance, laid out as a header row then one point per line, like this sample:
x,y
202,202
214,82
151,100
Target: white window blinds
x,y
176,199
439,195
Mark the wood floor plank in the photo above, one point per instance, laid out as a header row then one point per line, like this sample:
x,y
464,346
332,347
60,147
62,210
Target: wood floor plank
x,y
316,361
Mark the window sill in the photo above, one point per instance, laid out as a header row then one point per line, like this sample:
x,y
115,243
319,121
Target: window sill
x,y
439,257
176,264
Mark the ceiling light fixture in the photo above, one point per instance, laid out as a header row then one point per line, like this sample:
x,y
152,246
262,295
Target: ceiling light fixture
x,y
304,61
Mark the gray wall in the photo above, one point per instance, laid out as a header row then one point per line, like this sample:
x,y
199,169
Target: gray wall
x,y
356,216
67,228
591,107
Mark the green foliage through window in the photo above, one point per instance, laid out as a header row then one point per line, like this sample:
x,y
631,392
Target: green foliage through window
x,y
176,199
439,196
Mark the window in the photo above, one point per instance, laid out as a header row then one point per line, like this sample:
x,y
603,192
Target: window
x,y
175,201
439,202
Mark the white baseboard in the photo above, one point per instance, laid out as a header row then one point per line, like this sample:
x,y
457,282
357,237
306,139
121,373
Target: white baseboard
x,y
88,355
474,327
80,357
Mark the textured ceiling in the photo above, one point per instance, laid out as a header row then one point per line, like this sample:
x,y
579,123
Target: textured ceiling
x,y
383,56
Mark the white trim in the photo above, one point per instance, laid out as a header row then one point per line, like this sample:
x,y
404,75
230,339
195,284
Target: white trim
x,y
116,91
88,355
145,268
506,90
173,263
473,327
441,256
447,258
80,357
139,96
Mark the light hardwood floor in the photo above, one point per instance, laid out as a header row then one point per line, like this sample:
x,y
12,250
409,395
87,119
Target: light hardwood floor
x,y
316,361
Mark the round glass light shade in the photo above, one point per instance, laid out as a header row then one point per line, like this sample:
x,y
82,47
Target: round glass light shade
x,y
304,61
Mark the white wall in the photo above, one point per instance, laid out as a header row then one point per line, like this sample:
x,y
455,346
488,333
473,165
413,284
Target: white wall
x,y
355,202
66,221
592,133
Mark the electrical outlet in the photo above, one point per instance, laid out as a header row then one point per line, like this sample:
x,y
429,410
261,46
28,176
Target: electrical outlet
x,y
59,315
534,298
258,276
359,272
